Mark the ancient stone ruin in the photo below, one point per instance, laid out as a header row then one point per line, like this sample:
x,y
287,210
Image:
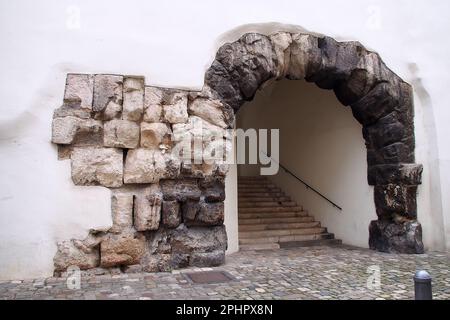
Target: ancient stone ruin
x,y
168,212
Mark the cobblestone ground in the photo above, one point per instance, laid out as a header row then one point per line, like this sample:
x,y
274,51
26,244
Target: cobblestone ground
x,y
297,273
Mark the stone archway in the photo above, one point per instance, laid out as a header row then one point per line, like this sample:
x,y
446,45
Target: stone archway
x,y
379,99
168,212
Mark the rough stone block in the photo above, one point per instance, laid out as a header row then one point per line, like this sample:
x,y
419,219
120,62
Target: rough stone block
x,y
157,262
133,98
122,249
122,211
281,42
149,166
121,134
207,259
175,107
97,166
394,199
171,214
153,99
213,189
73,130
210,110
407,174
156,136
108,95
306,58
180,190
147,211
79,91
396,237
198,239
68,254
203,213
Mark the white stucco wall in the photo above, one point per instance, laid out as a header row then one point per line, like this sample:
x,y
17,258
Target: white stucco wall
x,y
171,43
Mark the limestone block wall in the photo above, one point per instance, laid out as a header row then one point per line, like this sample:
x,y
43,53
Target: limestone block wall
x,y
167,211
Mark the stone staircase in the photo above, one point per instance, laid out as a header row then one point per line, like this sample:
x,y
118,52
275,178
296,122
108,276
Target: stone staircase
x,y
268,219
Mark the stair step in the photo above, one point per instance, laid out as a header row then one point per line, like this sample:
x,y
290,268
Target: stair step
x,y
270,209
278,226
262,199
260,204
256,190
259,246
265,215
261,194
311,243
280,232
275,220
279,239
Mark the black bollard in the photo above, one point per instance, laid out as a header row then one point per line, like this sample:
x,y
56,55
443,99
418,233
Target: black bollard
x,y
422,285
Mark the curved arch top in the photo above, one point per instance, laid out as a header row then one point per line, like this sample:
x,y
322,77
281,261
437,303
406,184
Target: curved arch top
x,y
380,100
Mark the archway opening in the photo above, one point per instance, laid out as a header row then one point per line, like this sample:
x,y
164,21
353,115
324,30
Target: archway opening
x,y
379,100
320,145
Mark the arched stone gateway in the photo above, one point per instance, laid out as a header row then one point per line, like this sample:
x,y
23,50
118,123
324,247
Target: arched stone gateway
x,y
168,212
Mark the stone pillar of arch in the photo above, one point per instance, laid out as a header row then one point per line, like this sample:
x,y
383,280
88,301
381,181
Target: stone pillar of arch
x,y
380,100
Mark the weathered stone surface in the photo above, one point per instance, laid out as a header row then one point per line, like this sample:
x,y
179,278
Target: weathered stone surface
x,y
398,152
281,42
369,72
379,102
171,214
305,59
108,93
209,110
149,166
147,210
133,98
156,136
68,254
175,106
79,90
73,130
153,111
121,134
122,212
394,199
221,82
203,213
207,259
213,189
389,129
180,190
339,59
250,62
204,170
94,166
396,237
198,239
407,174
157,262
122,249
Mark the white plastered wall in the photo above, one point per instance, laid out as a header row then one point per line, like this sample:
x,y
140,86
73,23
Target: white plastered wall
x,y
172,43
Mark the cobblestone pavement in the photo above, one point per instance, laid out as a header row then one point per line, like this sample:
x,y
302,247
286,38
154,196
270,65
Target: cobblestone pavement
x,y
296,273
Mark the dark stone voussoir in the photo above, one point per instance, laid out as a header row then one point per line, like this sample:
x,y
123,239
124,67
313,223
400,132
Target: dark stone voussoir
x,y
398,152
393,237
339,59
380,101
402,173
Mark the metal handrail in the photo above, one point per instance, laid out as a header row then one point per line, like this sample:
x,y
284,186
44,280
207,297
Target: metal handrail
x,y
306,184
